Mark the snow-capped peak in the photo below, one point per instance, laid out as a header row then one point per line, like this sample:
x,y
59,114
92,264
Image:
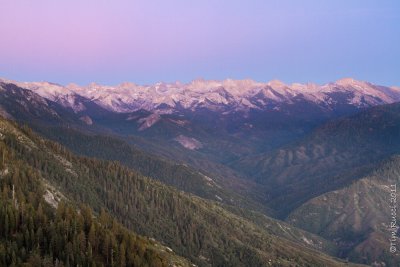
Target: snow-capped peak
x,y
212,94
277,84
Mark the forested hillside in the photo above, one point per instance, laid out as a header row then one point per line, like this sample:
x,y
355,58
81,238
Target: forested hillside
x,y
35,232
331,157
178,175
358,216
198,229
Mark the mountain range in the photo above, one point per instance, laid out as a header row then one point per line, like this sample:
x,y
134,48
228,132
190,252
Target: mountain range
x,y
225,96
289,174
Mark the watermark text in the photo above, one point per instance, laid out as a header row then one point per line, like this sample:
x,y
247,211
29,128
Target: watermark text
x,y
393,227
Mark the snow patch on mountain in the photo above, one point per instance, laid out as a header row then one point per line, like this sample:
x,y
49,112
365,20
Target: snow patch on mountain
x,y
47,90
54,92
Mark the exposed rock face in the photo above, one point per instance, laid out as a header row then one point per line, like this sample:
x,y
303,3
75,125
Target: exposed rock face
x,y
86,119
188,142
148,121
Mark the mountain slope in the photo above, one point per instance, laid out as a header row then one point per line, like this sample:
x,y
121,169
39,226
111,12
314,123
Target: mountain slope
x,y
357,217
234,119
109,136
199,229
63,125
288,140
40,227
335,154
216,115
178,175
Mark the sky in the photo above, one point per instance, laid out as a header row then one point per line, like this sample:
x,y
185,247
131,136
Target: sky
x,y
112,41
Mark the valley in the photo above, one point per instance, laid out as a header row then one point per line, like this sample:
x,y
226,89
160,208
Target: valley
x,y
225,173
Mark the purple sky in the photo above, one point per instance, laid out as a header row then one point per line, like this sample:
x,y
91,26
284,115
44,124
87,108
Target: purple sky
x,y
111,41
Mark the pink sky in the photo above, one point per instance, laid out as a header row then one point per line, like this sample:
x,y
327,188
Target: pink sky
x,y
147,41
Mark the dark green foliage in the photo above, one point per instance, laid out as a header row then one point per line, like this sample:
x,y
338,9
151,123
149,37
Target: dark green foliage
x,y
110,148
331,157
198,229
32,233
139,203
180,176
357,216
